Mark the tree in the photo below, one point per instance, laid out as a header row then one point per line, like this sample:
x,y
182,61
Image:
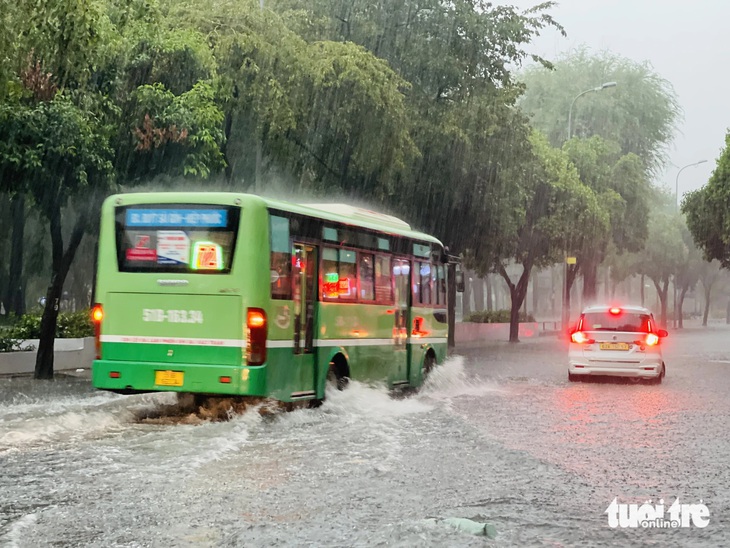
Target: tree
x,y
662,255
708,211
688,272
551,211
624,192
709,274
640,113
58,130
457,59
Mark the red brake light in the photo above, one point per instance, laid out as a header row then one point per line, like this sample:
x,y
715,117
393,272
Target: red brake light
x,y
615,310
652,339
579,337
256,334
97,315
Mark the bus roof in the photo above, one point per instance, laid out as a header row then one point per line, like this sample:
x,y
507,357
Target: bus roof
x,y
340,213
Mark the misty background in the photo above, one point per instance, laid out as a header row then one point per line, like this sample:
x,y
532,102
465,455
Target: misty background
x,y
685,42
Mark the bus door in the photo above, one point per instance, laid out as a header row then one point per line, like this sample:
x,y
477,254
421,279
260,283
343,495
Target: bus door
x,y
402,275
304,273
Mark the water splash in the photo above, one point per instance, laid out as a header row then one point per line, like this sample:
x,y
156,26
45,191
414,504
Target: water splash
x,y
450,380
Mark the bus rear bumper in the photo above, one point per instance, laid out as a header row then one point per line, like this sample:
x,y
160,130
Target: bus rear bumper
x,y
130,377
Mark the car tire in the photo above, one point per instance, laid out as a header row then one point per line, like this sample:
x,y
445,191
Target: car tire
x,y
659,378
573,378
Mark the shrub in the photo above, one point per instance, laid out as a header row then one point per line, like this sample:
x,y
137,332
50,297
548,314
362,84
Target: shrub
x,y
74,325
495,316
70,325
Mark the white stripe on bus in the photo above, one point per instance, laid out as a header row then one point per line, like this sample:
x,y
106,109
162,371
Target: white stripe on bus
x,y
426,340
138,339
353,342
324,343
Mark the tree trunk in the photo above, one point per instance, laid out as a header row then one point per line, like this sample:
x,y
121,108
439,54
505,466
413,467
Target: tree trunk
x,y
466,296
662,289
590,282
451,340
478,290
61,265
15,297
517,292
227,129
642,290
680,305
705,315
571,274
490,301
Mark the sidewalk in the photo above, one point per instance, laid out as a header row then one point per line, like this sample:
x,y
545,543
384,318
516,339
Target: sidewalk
x,y
68,356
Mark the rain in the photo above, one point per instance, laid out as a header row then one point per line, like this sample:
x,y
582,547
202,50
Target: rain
x,y
356,273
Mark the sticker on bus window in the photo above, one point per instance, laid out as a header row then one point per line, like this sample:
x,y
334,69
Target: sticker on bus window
x,y
173,247
331,285
141,254
141,250
207,256
344,286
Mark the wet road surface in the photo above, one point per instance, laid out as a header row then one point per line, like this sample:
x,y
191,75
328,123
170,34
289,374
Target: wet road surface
x,y
499,435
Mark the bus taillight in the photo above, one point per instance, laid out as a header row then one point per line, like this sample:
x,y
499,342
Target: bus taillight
x,y
97,315
256,333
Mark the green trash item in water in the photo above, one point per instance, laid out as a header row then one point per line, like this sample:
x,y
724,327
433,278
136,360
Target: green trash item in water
x,y
471,527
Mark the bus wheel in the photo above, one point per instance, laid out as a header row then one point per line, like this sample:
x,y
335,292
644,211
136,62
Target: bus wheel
x,y
429,362
339,373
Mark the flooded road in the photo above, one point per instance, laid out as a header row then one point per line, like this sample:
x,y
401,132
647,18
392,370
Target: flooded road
x,y
498,436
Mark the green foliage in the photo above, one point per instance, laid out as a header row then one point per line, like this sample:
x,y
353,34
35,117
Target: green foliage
x,y
9,344
73,325
496,316
708,211
191,121
640,113
70,325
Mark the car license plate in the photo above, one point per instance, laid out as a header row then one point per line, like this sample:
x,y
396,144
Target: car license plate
x,y
169,378
614,346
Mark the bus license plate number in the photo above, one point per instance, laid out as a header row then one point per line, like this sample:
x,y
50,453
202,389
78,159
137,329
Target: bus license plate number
x,y
169,378
614,346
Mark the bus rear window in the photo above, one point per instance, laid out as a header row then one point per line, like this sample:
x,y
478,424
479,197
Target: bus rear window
x,y
182,238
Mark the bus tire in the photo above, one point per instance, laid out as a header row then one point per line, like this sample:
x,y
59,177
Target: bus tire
x,y
429,362
339,372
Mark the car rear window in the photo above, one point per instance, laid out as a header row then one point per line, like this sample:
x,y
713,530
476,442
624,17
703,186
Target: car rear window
x,y
190,238
624,321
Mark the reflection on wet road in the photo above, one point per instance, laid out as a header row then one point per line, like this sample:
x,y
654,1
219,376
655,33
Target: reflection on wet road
x,y
499,435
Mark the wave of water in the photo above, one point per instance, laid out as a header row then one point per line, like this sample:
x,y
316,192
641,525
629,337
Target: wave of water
x,y
68,419
450,380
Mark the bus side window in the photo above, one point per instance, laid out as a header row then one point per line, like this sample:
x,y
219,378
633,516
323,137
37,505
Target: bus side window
x,y
280,258
330,274
416,286
348,274
424,270
367,280
441,270
383,280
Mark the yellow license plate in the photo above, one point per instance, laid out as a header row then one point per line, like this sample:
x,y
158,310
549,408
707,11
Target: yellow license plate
x,y
169,378
614,346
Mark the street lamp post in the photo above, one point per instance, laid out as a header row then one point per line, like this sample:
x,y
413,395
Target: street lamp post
x,y
570,111
571,261
675,318
676,182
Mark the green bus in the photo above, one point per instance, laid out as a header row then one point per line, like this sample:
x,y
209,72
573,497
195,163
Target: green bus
x,y
233,294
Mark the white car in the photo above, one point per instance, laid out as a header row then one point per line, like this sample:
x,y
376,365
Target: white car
x,y
616,341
